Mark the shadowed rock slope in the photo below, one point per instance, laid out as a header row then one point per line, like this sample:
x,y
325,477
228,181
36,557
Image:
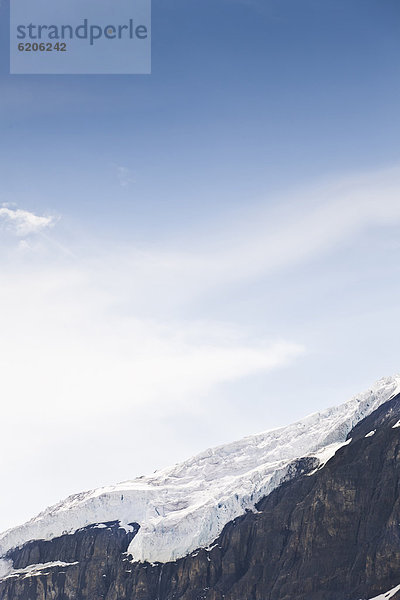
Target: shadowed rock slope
x,y
328,534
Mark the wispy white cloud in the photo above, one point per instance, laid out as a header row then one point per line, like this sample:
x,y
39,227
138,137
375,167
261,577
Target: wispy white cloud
x,y
125,176
105,301
304,226
23,222
73,346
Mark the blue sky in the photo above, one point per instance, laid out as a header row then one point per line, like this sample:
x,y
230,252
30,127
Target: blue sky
x,y
202,253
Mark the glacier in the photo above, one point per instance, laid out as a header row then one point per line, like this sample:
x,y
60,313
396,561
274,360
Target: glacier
x,y
185,507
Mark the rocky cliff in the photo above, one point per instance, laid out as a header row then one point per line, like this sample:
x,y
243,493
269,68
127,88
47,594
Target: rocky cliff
x,y
330,532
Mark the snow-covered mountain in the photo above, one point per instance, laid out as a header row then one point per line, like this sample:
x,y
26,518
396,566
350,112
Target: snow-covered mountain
x,y
185,507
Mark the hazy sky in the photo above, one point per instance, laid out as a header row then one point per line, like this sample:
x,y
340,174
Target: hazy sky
x,y
200,254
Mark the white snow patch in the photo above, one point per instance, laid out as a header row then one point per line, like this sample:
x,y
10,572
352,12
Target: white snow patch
x,y
396,425
128,528
371,433
185,507
327,453
388,594
35,570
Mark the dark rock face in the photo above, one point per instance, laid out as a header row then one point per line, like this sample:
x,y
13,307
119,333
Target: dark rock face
x,y
327,534
98,553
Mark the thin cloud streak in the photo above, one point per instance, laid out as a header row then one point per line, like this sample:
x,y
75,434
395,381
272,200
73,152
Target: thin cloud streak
x,y
306,227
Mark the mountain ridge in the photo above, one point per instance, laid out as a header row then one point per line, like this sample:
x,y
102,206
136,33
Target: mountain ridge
x,y
329,531
186,506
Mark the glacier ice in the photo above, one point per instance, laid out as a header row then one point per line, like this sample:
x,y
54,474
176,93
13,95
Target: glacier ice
x,y
185,507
